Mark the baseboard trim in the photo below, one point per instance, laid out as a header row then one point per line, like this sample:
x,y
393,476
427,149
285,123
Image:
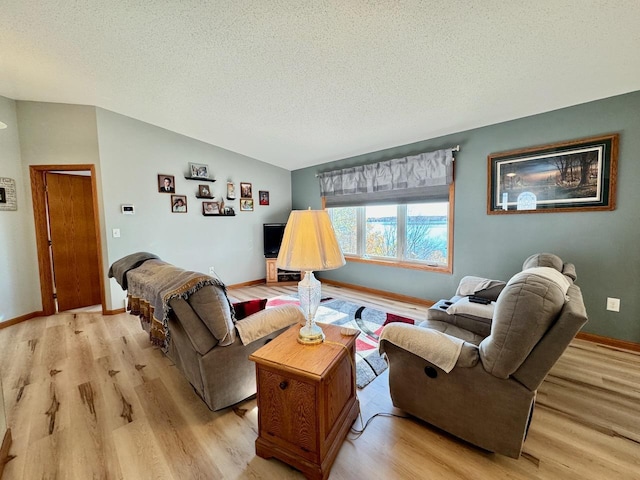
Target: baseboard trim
x,y
247,284
117,311
20,319
382,293
4,450
610,342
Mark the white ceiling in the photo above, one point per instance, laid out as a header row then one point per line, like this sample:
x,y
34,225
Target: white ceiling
x,y
297,83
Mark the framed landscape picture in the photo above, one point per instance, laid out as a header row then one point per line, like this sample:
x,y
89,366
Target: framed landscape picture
x,y
577,175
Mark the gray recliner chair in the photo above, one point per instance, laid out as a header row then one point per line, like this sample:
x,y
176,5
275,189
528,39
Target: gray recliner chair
x,y
203,336
481,386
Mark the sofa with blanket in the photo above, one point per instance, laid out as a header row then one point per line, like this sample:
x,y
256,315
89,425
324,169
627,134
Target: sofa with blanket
x,y
475,376
190,316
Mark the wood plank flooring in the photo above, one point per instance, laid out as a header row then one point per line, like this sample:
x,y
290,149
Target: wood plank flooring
x,y
87,396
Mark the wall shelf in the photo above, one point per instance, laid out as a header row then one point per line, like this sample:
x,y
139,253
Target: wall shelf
x,y
200,179
219,215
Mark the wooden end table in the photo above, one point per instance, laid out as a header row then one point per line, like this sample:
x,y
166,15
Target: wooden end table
x,y
306,399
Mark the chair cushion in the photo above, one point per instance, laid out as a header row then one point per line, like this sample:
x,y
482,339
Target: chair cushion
x,y
452,330
478,325
465,307
481,287
212,306
527,307
199,335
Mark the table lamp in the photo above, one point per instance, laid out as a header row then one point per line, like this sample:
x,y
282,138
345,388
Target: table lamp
x,y
309,244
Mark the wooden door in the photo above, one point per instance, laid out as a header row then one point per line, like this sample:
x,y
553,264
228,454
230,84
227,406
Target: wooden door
x,y
74,247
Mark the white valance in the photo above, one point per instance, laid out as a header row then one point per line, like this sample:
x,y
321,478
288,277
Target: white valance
x,y
405,179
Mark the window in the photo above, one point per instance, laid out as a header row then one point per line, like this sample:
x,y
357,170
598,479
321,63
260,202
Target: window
x,y
396,212
413,234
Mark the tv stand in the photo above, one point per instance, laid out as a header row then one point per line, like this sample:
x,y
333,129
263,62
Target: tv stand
x,y
276,276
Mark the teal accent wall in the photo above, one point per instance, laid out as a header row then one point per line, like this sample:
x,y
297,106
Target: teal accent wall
x,y
604,245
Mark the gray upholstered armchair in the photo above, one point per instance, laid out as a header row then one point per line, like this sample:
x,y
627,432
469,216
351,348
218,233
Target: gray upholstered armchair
x,y
478,385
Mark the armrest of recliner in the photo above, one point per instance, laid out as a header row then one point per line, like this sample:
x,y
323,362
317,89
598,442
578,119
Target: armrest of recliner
x,y
479,323
443,350
481,287
267,321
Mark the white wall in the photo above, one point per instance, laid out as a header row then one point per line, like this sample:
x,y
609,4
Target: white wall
x,y
133,153
128,155
19,279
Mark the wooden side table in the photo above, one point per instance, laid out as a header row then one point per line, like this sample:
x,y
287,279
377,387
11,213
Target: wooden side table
x,y
306,399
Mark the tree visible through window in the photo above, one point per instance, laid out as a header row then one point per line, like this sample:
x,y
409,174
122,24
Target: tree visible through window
x,y
416,233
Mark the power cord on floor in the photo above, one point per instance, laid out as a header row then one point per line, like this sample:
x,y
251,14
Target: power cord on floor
x,y
358,433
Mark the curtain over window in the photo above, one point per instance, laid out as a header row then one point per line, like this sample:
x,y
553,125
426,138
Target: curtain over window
x,y
400,180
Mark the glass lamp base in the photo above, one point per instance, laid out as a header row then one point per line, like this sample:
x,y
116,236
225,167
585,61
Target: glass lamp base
x,y
310,335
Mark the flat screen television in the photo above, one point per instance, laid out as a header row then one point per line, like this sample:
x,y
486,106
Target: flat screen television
x,y
273,233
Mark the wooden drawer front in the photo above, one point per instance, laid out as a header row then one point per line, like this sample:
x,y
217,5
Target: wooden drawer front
x,y
339,389
287,411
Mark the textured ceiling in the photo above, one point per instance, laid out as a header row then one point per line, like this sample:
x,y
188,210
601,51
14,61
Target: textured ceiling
x,y
297,83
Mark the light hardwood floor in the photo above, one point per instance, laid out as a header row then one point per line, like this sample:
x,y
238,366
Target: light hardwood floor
x,y
87,396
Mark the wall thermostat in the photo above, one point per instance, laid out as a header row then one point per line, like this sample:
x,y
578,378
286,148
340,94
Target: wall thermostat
x,y
127,209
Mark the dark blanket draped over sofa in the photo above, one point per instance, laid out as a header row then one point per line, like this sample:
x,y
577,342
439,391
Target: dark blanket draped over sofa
x,y
190,316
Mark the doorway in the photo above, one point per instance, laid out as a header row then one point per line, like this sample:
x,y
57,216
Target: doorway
x,y
67,236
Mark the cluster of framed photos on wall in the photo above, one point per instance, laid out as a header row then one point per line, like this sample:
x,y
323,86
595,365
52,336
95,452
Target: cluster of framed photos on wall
x,y
210,207
246,197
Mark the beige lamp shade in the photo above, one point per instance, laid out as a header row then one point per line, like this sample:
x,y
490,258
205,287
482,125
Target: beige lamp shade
x,y
309,243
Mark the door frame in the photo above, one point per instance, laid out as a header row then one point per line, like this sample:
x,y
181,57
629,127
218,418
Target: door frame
x,y
38,195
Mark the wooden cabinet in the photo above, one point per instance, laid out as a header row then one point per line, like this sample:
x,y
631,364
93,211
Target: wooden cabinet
x,y
306,399
283,277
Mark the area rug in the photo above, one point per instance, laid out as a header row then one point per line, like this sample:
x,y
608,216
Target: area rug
x,y
370,321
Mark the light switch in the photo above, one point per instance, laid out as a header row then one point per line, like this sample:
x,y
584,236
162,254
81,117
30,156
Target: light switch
x,y
116,233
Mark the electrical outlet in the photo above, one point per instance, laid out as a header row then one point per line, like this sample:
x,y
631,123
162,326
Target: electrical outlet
x,y
613,304
116,233
212,271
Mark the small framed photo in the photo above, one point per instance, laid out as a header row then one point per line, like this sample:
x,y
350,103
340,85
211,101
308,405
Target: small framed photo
x,y
3,195
198,170
245,190
166,183
263,196
204,191
246,205
210,208
179,203
231,191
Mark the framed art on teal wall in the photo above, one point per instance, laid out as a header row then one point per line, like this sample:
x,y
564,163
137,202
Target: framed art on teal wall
x,y
577,175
